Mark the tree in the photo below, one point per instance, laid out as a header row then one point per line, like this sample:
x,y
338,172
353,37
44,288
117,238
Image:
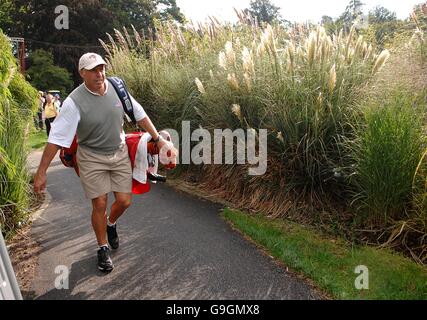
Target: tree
x,y
264,11
44,75
352,12
6,6
384,24
141,13
169,10
89,21
381,15
35,21
420,14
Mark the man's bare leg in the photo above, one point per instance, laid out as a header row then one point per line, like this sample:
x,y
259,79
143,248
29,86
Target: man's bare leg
x,y
123,201
99,218
99,224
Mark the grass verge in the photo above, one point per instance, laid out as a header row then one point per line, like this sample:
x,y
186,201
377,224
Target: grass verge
x,y
331,263
37,140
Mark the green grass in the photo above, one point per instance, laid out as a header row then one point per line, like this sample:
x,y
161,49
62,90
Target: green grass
x,y
37,140
18,102
331,263
311,91
386,152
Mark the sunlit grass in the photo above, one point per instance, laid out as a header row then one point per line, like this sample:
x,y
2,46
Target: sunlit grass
x,y
17,103
309,89
331,263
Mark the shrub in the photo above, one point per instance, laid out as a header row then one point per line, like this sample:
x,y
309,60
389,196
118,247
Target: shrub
x,y
387,149
17,105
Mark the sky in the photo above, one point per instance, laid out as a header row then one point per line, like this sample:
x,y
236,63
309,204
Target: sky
x,y
293,10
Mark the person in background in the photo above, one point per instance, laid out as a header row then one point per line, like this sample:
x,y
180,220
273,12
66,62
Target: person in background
x,y
57,102
38,121
50,112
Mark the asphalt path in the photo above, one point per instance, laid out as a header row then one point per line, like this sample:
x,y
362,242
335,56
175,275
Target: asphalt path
x,y
173,246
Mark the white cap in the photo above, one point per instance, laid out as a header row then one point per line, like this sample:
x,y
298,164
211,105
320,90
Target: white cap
x,y
90,60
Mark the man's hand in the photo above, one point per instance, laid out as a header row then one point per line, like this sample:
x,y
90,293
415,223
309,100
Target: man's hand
x,y
39,182
49,153
167,152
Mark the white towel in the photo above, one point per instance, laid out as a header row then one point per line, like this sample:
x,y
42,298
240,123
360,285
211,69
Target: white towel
x,y
141,162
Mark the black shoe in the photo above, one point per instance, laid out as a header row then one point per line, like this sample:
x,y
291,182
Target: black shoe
x,y
156,177
104,261
113,237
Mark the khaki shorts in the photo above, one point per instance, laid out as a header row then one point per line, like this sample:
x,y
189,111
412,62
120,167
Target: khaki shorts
x,y
101,174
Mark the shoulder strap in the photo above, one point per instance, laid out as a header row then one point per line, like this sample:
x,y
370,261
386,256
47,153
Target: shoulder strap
x,y
121,90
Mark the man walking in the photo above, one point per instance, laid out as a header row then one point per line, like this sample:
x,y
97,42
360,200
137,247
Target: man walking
x,y
94,111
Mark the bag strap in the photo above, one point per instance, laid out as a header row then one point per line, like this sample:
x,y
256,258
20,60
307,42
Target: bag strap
x,y
121,90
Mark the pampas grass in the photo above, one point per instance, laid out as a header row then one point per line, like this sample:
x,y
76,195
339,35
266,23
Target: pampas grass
x,y
306,87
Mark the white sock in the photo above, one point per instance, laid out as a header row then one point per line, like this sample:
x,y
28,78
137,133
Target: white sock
x,y
104,245
110,224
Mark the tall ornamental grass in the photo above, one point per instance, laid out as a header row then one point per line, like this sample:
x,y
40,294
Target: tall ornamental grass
x,y
300,84
302,90
412,232
389,145
389,185
17,104
327,149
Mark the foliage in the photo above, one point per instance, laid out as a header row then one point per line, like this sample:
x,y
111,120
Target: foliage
x,y
17,106
331,262
352,12
387,149
301,86
326,143
5,7
35,21
44,75
381,14
142,13
264,11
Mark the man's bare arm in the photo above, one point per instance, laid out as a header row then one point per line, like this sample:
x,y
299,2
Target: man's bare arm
x,y
40,178
148,126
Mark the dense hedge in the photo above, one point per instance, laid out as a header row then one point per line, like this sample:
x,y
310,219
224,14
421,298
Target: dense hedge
x,y
18,102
